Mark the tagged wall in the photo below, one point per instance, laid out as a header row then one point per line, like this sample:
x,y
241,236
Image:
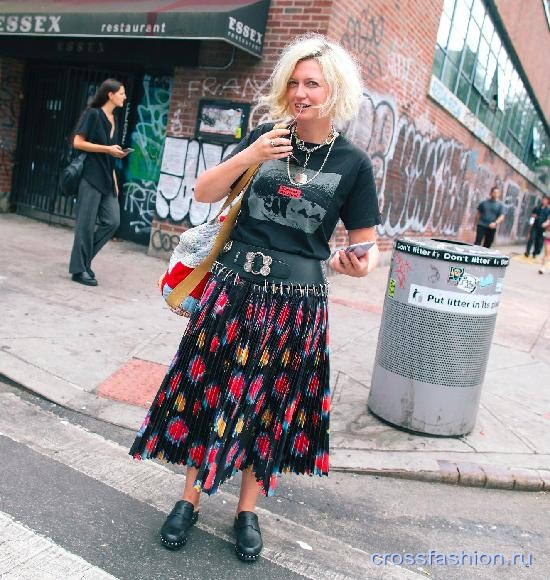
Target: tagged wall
x,y
143,167
426,185
431,172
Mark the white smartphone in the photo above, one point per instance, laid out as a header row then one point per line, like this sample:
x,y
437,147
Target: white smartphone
x,y
359,249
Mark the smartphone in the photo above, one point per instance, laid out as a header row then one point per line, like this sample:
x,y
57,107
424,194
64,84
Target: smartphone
x,y
127,150
359,249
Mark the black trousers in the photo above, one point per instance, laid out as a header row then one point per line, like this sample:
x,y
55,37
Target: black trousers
x,y
535,239
92,206
486,235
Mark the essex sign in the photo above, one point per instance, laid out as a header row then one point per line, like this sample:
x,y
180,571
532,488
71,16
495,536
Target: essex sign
x,y
238,22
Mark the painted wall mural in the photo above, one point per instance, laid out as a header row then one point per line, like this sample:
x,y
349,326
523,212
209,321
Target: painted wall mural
x,y
142,171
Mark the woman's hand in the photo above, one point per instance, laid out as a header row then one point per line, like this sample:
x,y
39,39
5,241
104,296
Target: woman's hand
x,y
116,151
348,263
271,145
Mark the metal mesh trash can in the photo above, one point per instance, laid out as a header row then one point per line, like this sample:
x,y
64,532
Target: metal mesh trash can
x,y
437,325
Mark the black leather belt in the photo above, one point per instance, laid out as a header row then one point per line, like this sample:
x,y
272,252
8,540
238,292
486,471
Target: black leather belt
x,y
258,264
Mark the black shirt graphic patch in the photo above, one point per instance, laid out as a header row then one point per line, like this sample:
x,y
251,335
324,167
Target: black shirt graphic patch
x,y
300,207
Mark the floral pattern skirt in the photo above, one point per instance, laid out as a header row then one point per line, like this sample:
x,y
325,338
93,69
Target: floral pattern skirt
x,y
248,387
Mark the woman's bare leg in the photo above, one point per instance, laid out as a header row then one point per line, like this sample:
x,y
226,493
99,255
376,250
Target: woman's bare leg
x,y
545,257
249,492
189,492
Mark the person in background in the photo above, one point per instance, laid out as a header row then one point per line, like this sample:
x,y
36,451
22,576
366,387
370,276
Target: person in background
x,y
539,215
97,134
546,238
490,213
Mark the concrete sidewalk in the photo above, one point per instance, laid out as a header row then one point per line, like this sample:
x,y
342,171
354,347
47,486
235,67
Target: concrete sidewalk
x,y
103,351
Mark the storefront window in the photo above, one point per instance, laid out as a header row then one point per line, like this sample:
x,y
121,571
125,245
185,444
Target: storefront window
x,y
472,62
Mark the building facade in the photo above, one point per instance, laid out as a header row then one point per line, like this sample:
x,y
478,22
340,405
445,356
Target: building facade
x,y
456,100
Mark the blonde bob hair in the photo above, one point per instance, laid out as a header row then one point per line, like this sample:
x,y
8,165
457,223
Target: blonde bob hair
x,y
339,69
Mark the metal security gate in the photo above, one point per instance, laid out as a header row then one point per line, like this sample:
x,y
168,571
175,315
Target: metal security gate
x,y
54,98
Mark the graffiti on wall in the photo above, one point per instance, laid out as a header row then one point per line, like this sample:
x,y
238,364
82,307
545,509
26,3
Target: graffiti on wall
x,y
251,89
143,168
363,37
426,182
183,161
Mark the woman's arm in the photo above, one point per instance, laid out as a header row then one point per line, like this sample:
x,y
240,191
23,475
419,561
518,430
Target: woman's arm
x,y
214,184
350,264
79,142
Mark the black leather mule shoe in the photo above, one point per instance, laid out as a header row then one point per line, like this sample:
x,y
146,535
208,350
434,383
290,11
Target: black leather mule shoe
x,y
249,538
173,534
91,272
84,278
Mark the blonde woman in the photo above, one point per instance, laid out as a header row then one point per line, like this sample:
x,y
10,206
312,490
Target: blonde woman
x,y
248,389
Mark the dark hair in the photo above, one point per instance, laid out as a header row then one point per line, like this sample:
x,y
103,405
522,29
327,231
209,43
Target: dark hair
x,y
494,187
102,94
100,97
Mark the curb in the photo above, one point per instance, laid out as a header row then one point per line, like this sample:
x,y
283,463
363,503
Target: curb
x,y
467,474
61,392
463,473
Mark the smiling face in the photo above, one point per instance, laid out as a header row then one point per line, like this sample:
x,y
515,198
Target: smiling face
x,y
307,90
118,98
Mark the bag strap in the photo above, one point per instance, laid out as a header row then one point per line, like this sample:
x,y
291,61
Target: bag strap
x,y
243,182
245,179
185,287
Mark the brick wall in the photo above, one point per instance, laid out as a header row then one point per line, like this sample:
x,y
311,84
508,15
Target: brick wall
x,y
244,81
11,79
431,171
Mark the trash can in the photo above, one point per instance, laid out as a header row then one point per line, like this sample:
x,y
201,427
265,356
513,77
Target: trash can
x,y
437,325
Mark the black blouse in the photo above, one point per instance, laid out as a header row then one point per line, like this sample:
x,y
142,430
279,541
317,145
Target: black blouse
x,y
98,167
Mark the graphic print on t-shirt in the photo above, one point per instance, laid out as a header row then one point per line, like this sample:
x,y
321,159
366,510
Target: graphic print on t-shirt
x,y
303,207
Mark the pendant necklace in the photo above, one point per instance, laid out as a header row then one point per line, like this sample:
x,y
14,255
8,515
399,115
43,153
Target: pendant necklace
x,y
300,177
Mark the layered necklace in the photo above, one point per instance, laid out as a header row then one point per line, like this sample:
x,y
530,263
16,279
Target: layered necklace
x,y
300,178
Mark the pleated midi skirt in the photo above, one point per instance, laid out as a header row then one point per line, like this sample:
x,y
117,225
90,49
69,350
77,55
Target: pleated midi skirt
x,y
248,386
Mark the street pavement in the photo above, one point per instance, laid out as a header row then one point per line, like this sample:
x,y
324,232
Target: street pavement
x,y
103,351
74,506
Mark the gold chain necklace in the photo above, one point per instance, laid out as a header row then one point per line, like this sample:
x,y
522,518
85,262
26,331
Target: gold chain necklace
x,y
300,177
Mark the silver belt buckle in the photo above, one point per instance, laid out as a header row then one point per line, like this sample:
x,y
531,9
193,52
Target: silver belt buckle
x,y
266,263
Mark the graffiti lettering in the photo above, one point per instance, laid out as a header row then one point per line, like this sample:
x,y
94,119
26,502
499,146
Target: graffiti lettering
x,y
139,201
425,182
363,36
186,159
163,242
251,87
143,168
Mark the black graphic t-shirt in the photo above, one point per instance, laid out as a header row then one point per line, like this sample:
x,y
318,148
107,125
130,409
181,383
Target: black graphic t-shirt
x,y
98,167
300,219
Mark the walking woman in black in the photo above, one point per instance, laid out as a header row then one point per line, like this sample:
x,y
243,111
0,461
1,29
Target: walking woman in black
x,y
97,134
248,389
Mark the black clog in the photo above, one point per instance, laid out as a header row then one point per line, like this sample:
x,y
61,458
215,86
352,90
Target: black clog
x,y
249,537
173,534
